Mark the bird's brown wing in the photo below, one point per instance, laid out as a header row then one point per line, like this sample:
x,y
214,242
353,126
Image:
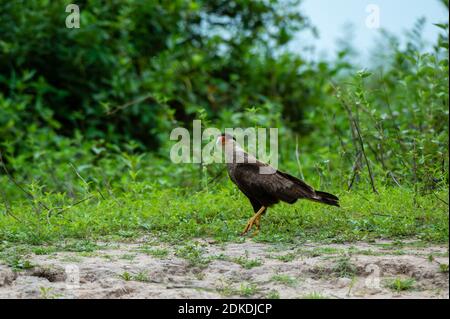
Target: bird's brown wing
x,y
269,189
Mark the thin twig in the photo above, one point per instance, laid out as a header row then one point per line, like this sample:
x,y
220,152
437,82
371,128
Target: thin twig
x,y
394,179
356,169
128,104
2,163
446,203
5,200
415,178
217,176
84,181
78,174
75,204
297,157
360,140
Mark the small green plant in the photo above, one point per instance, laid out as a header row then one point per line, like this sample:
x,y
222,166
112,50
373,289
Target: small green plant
x,y
156,252
18,264
46,293
127,233
443,268
286,258
226,290
344,268
285,280
246,262
193,253
141,276
401,284
128,256
126,276
43,250
273,294
314,295
80,246
247,290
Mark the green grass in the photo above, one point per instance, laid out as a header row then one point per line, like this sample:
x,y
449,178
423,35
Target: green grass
x,y
343,267
194,254
155,252
286,258
221,213
47,293
246,262
401,284
285,280
314,295
245,290
43,250
127,257
126,276
248,290
443,268
273,294
18,264
141,276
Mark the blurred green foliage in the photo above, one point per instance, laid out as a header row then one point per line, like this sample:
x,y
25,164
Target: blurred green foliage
x,y
88,111
176,57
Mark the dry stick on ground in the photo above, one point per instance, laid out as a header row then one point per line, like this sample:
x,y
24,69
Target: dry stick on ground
x,y
360,139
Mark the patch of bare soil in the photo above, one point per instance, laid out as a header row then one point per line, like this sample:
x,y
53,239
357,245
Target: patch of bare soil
x,y
236,270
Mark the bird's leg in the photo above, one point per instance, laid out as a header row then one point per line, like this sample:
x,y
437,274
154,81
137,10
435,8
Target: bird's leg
x,y
253,220
258,225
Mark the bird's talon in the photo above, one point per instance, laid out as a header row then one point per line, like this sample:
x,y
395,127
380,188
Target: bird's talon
x,y
249,226
255,220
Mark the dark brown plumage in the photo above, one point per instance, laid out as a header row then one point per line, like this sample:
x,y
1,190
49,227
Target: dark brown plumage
x,y
265,190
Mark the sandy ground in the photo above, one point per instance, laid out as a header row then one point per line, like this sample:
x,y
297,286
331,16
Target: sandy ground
x,y
233,270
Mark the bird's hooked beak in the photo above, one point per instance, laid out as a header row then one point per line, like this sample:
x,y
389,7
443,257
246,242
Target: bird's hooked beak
x,y
223,139
220,140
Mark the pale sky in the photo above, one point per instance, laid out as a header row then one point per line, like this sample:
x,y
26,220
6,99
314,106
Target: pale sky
x,y
396,16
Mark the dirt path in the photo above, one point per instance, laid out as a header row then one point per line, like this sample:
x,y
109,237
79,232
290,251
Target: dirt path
x,y
237,270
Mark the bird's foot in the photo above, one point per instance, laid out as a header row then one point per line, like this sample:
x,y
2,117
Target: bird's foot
x,y
252,221
255,232
248,227
255,220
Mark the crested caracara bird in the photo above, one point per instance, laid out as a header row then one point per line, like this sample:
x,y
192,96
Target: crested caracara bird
x,y
265,190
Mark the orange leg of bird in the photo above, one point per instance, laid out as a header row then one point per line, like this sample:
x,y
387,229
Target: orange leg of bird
x,y
254,220
258,225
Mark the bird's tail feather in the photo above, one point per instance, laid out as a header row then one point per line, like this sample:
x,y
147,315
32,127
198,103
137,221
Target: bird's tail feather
x,y
326,198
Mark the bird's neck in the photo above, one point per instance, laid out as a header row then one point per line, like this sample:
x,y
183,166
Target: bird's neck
x,y
235,154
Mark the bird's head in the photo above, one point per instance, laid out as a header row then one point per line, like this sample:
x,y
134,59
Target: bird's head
x,y
225,139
